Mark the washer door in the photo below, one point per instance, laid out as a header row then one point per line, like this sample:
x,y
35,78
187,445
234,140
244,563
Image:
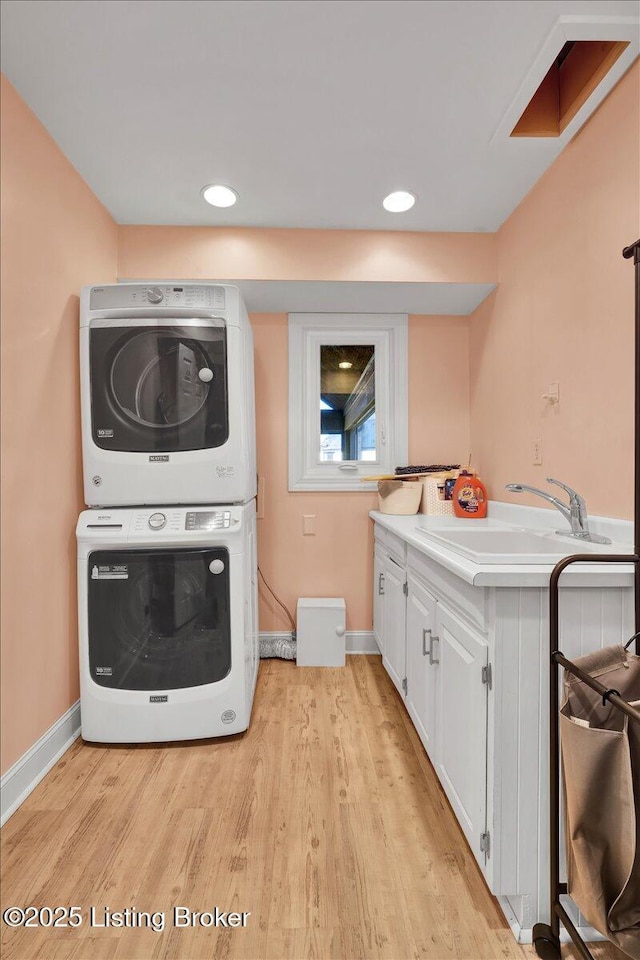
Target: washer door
x,y
159,389
159,619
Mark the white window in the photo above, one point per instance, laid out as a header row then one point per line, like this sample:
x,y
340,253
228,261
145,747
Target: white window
x,y
347,398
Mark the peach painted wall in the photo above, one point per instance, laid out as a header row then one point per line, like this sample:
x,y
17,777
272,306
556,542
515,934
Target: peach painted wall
x,y
260,254
55,237
563,311
338,560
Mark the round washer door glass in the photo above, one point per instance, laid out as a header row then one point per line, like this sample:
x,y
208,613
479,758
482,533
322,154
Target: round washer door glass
x,y
155,379
159,388
158,619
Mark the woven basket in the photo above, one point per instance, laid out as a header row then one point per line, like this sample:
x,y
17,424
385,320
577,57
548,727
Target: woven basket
x,y
399,497
431,504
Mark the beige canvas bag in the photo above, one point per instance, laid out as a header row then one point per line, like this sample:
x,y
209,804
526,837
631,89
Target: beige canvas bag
x,y
601,783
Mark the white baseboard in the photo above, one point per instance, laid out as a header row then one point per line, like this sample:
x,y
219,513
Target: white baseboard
x,y
360,641
356,641
27,772
525,934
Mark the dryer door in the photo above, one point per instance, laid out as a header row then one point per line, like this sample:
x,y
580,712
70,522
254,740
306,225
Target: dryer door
x,y
159,619
159,389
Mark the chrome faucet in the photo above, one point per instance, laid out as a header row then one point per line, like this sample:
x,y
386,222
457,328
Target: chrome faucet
x,y
575,512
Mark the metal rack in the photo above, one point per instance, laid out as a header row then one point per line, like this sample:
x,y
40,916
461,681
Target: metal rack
x,y
546,936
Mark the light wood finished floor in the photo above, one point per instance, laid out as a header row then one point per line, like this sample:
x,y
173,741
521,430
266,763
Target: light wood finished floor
x,y
325,821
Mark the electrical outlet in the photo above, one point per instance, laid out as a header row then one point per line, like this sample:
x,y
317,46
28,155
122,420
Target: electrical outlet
x,y
537,453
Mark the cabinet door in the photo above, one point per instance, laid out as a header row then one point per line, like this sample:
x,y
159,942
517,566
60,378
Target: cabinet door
x,y
461,754
378,596
422,670
395,612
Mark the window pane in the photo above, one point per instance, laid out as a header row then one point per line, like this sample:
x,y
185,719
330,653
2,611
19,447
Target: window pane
x,y
366,438
347,402
330,447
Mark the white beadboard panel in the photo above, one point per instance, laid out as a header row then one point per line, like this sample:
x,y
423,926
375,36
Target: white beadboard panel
x,y
513,908
518,644
590,618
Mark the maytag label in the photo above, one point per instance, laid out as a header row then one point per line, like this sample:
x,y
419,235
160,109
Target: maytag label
x,y
159,458
110,571
104,671
159,698
105,433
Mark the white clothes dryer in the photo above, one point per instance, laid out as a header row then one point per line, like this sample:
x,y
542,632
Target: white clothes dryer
x,y
167,394
167,622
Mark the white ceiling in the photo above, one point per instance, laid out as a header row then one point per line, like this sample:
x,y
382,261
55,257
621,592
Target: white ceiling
x,y
312,110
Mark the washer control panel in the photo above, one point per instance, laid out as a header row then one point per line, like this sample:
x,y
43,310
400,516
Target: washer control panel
x,y
154,295
203,296
208,520
177,525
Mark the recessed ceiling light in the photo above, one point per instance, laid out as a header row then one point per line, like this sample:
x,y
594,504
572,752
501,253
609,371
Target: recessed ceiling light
x,y
399,201
219,196
345,365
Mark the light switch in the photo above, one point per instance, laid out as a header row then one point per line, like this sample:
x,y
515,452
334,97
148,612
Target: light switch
x,y
309,524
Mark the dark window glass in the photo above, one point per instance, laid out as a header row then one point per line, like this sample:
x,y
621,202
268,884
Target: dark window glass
x,y
159,388
158,619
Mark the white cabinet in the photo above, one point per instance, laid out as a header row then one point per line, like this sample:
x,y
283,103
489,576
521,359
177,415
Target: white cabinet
x,y
434,649
435,660
487,736
422,672
394,619
378,594
461,724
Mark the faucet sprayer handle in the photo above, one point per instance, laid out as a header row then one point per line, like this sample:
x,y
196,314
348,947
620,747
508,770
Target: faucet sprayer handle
x,y
573,494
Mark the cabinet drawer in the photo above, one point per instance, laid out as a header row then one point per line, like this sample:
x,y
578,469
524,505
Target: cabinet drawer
x,y
396,548
467,601
393,545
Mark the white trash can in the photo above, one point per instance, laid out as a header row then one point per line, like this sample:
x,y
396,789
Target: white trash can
x,y
320,632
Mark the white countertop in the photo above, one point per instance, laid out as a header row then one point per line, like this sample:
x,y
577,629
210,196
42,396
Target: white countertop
x,y
517,574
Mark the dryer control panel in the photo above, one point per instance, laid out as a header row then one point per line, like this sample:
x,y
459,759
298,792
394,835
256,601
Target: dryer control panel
x,y
117,296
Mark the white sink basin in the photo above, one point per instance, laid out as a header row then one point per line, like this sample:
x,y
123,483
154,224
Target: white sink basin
x,y
509,545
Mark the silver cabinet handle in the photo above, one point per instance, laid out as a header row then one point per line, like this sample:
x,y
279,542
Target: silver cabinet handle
x,y
433,659
426,631
381,584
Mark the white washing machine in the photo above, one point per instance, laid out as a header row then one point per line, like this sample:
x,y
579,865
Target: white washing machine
x,y
168,411
167,622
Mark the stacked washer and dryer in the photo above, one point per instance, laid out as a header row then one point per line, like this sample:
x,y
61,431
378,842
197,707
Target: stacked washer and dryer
x,y
167,560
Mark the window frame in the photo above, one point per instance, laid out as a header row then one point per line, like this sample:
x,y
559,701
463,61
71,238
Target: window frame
x,y
307,333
